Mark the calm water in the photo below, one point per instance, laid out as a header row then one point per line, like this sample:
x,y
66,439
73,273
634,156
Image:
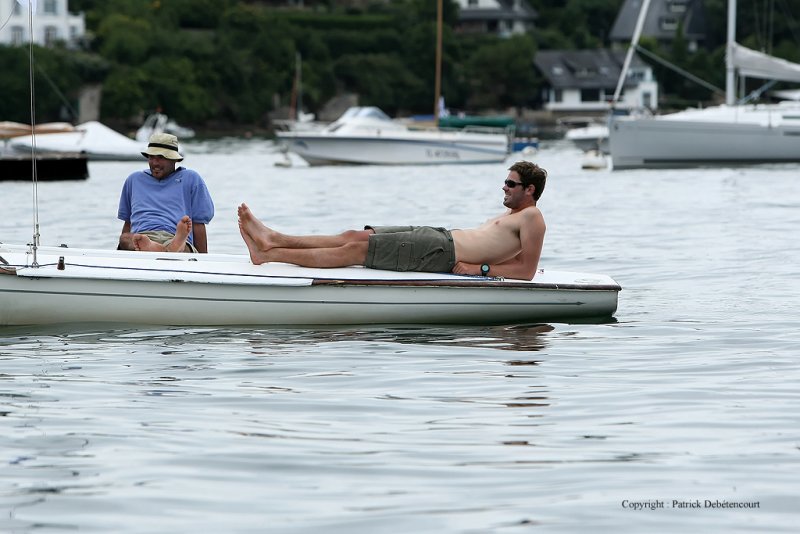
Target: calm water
x,y
691,396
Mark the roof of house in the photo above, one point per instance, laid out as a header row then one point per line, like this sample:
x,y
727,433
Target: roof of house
x,y
584,69
690,12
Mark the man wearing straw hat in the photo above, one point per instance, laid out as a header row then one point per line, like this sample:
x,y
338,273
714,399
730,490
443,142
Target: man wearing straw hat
x,y
164,209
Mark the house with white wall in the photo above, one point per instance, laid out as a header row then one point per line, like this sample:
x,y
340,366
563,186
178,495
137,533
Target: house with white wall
x,y
500,17
52,22
585,81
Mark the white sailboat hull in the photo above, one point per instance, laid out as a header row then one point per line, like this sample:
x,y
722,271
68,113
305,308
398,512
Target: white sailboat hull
x,y
181,289
719,135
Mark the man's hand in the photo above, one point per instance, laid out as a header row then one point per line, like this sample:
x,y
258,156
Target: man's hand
x,y
466,268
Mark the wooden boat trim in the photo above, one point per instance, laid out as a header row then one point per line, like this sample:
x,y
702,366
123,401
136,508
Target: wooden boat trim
x,y
465,283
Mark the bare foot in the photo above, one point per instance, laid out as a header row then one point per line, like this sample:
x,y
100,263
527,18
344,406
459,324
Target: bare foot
x,y
182,230
256,256
258,237
143,243
246,214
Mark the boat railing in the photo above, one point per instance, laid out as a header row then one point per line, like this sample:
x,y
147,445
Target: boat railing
x,y
507,130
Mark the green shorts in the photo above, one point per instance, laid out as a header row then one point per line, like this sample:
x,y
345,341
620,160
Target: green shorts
x,y
411,248
165,238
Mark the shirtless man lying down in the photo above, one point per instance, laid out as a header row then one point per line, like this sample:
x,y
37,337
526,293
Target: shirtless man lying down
x,y
508,245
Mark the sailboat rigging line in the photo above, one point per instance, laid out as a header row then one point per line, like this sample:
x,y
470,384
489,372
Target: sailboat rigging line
x,y
58,93
791,24
765,24
34,175
9,18
679,70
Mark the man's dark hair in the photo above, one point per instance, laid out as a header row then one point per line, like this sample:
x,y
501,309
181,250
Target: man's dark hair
x,y
531,174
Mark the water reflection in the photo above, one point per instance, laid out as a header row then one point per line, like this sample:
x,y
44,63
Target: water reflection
x,y
530,337
524,337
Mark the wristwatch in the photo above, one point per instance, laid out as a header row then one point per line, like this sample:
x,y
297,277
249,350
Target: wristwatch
x,y
485,269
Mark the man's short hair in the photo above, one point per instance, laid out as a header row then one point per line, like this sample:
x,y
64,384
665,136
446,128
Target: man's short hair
x,y
531,174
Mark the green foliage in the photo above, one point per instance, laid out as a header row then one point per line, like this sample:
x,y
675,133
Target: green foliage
x,y
58,77
124,40
383,81
502,74
124,93
233,61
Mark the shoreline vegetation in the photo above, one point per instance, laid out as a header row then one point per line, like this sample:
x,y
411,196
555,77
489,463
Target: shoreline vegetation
x,y
229,66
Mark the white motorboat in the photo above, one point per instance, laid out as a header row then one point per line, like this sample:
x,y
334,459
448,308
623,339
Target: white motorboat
x,y
67,285
729,134
94,139
593,136
594,160
366,135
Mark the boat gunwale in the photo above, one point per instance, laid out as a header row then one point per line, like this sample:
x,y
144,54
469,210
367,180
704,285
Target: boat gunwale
x,y
479,284
335,282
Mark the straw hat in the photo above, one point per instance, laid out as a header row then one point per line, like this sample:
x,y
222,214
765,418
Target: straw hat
x,y
163,144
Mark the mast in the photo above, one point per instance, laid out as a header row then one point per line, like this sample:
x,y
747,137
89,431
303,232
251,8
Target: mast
x,y
438,83
637,33
730,75
296,103
35,244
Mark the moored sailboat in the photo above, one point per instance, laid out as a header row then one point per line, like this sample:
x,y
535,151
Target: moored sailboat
x,y
727,134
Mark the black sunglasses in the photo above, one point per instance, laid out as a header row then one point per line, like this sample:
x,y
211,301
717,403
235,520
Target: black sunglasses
x,y
511,184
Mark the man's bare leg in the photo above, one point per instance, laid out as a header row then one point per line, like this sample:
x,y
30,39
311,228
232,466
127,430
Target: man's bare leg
x,y
265,245
266,238
182,231
178,243
143,243
354,253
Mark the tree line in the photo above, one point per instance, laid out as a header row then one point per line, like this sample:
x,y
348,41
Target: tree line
x,y
232,62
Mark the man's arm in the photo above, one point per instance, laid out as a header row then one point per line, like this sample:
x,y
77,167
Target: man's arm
x,y
200,237
125,240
